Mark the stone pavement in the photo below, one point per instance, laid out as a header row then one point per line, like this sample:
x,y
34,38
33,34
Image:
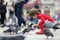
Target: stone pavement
x,y
32,36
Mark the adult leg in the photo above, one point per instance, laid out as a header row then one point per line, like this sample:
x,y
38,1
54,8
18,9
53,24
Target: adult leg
x,y
0,18
24,22
19,22
3,16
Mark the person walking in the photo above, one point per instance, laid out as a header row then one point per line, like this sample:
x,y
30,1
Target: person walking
x,y
2,12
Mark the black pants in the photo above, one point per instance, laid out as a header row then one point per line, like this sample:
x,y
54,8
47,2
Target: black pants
x,y
20,21
3,16
0,18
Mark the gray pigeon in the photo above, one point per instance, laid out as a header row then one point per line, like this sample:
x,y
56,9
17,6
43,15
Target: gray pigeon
x,y
48,33
12,28
28,29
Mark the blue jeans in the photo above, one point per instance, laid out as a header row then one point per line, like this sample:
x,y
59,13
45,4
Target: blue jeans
x,y
35,21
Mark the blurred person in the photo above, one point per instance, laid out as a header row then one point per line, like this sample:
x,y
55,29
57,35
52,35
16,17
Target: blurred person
x,y
2,12
28,17
19,12
32,3
35,14
55,17
12,19
11,10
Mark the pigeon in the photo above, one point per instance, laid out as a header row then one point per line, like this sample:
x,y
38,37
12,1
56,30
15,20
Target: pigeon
x,y
48,33
55,26
8,31
28,28
11,29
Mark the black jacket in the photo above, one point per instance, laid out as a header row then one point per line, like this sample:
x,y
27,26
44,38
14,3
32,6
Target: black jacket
x,y
2,8
18,8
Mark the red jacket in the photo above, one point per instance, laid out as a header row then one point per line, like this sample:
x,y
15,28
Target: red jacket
x,y
44,17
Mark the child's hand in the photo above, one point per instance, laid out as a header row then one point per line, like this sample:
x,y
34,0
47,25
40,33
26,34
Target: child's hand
x,y
36,25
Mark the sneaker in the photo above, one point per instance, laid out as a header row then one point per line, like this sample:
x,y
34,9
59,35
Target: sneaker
x,y
2,25
40,32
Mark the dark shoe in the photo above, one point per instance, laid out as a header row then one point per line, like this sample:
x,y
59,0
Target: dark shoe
x,y
2,25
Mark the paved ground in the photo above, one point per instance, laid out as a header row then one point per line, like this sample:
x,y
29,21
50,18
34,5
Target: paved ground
x,y
32,36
